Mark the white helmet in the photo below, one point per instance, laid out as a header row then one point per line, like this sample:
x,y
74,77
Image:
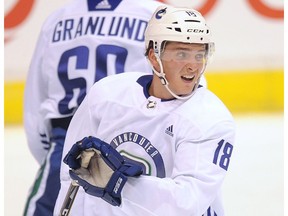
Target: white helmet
x,y
184,25
177,24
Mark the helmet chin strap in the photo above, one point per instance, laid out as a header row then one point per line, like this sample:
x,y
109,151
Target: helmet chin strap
x,y
165,82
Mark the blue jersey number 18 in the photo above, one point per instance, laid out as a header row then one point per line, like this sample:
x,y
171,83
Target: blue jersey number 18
x,y
222,154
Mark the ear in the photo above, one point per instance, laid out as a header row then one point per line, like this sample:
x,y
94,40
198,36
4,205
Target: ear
x,y
153,60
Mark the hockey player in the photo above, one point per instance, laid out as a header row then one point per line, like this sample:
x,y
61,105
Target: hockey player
x,y
79,44
156,144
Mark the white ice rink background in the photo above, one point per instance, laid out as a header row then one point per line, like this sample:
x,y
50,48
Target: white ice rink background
x,y
253,187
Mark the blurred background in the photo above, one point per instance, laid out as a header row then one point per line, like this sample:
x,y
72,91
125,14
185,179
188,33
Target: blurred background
x,y
247,73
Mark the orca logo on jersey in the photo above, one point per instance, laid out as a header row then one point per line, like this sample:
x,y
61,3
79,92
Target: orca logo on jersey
x,y
160,13
134,138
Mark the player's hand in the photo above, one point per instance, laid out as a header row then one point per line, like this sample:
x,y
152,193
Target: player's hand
x,y
100,169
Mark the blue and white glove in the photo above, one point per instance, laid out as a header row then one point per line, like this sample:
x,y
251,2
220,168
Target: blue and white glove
x,y
100,169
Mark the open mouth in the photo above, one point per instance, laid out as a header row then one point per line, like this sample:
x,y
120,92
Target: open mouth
x,y
188,78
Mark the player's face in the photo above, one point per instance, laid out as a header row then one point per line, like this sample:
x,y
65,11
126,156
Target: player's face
x,y
183,64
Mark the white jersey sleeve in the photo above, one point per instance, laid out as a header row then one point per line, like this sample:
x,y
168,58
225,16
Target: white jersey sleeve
x,y
184,147
34,95
80,44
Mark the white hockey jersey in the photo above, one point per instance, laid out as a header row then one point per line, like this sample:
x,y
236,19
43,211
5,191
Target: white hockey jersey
x,y
78,45
184,148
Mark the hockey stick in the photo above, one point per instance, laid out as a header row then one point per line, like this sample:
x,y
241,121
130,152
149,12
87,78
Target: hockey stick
x,y
73,188
69,199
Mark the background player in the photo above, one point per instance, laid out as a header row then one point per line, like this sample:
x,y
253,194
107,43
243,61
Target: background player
x,y
79,44
179,133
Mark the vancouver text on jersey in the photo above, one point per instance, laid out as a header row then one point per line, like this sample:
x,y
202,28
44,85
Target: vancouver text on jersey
x,y
115,26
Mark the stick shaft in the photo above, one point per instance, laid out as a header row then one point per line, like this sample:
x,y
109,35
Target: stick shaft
x,y
69,199
73,189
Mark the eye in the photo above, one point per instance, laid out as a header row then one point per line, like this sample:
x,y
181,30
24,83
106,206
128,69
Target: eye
x,y
199,57
182,55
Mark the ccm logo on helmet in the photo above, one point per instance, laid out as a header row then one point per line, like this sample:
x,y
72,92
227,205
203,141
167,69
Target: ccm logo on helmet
x,y
196,30
160,13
